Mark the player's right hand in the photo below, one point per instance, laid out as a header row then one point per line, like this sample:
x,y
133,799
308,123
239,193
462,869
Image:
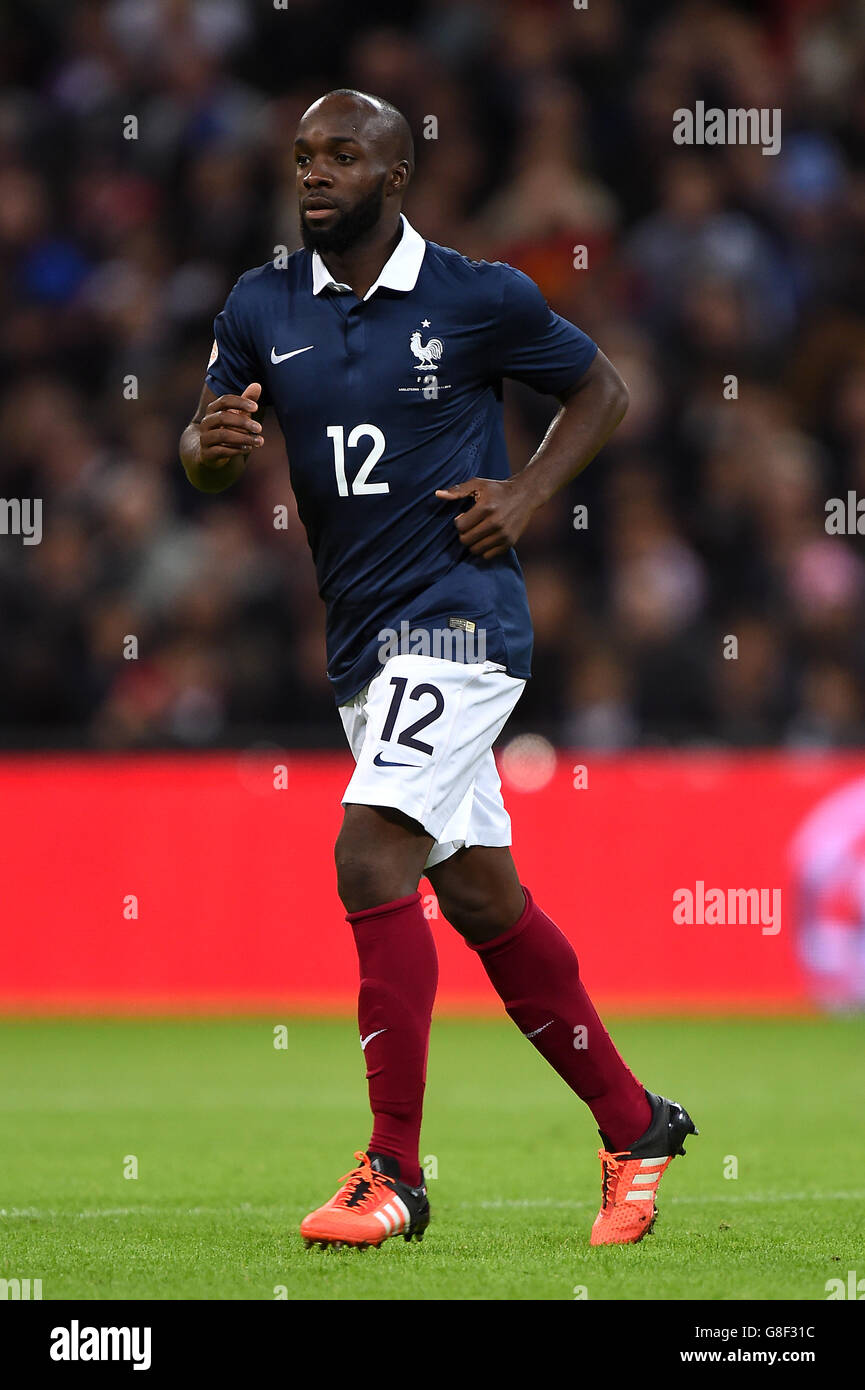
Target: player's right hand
x,y
228,429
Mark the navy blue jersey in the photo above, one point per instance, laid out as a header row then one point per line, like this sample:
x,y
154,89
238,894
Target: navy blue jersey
x,y
382,401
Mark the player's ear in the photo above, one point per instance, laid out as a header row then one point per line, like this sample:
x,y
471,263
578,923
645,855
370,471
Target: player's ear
x,y
400,175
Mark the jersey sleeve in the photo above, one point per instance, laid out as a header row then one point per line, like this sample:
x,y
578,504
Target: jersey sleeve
x,y
535,345
233,361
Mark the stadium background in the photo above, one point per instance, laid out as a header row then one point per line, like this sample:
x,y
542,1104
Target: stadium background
x,y
153,779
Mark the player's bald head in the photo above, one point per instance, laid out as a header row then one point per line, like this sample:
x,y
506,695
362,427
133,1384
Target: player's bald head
x,y
377,123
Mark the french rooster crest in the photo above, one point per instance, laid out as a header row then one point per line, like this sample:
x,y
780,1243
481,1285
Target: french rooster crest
x,y
428,354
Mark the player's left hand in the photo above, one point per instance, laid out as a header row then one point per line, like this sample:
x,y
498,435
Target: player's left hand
x,y
496,520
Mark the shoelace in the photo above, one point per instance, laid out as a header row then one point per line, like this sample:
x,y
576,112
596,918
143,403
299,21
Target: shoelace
x,y
610,1166
363,1173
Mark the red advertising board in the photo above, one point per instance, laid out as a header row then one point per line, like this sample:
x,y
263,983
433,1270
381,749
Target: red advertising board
x,y
199,883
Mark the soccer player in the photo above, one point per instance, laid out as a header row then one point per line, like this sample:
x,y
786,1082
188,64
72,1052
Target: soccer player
x,y
383,356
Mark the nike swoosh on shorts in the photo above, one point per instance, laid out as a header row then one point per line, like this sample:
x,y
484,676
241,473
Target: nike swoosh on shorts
x,y
379,761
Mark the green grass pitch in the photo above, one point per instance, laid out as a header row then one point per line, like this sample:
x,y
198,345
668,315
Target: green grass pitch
x,y
236,1139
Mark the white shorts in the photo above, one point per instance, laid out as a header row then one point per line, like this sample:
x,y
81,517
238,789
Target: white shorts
x,y
422,733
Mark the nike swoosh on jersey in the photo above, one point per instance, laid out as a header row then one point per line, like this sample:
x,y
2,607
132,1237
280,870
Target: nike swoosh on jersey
x,y
277,357
369,1037
379,761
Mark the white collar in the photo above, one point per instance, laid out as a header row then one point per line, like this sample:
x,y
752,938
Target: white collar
x,y
399,272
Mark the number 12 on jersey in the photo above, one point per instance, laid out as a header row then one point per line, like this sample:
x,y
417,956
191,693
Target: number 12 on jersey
x,y
360,485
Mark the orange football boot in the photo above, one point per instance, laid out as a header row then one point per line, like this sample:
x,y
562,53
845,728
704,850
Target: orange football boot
x,y
371,1205
630,1179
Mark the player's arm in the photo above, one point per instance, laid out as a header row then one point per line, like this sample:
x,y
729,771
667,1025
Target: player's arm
x,y
220,437
591,410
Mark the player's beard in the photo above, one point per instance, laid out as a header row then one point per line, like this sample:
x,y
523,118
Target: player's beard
x,y
349,227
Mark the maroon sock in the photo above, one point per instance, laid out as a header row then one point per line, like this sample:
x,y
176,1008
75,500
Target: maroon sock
x,y
398,980
534,969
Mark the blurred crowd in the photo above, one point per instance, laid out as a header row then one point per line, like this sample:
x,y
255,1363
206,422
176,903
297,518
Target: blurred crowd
x,y
705,516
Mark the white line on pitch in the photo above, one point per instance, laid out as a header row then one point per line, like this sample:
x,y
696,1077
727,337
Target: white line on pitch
x,y
279,1213
730,1197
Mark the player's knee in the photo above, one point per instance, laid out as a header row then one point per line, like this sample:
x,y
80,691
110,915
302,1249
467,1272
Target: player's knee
x,y
355,876
476,915
360,886
366,879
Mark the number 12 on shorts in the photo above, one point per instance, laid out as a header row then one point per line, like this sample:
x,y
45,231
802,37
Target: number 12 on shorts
x,y
406,737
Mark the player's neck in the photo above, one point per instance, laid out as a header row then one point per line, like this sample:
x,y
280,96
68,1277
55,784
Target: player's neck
x,y
361,265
